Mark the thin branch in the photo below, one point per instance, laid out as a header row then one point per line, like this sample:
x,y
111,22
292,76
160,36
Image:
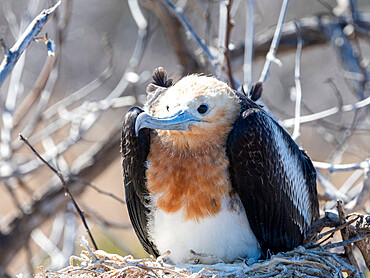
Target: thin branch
x,y
103,222
364,196
297,81
97,189
342,167
330,189
174,31
345,235
344,243
311,31
36,91
4,47
225,27
60,176
248,43
348,56
22,43
179,14
222,30
326,113
88,88
14,62
270,57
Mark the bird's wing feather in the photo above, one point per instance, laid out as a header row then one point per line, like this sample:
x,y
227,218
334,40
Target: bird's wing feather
x,y
135,150
274,179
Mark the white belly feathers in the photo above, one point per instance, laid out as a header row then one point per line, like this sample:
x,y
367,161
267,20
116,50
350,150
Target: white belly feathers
x,y
226,235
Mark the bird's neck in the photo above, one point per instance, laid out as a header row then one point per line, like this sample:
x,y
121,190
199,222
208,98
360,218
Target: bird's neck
x,y
194,181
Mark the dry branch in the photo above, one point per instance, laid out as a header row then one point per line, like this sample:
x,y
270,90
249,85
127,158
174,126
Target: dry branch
x,y
311,29
270,56
12,55
174,33
66,189
51,201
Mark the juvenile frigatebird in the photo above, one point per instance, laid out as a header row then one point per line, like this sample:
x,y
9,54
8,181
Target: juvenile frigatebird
x,y
207,169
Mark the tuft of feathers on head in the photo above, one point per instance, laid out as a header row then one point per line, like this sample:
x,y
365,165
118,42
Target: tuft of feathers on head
x,y
159,85
160,78
255,92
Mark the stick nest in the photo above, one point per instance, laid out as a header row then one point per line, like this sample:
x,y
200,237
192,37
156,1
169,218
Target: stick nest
x,y
316,259
300,262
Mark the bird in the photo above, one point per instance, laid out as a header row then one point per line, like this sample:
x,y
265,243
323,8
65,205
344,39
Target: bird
x,y
208,171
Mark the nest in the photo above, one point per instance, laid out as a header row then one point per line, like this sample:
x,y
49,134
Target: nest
x,y
300,262
316,259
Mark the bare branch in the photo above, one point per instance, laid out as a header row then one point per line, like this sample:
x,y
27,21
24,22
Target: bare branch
x,y
345,235
349,241
270,57
248,42
192,33
68,192
311,29
342,167
97,189
330,189
297,81
4,47
327,113
36,90
22,43
225,27
173,29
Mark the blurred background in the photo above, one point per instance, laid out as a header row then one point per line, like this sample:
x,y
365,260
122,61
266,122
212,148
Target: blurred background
x,y
71,105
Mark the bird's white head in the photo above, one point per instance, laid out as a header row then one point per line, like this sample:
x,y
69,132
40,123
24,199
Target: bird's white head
x,y
196,110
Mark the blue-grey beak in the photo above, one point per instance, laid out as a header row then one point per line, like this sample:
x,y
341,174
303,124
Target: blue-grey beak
x,y
180,121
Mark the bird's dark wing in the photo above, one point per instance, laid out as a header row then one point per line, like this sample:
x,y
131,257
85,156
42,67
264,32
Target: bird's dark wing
x,y
274,179
135,150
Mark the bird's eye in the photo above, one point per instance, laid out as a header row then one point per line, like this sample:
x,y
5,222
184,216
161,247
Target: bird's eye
x,y
202,108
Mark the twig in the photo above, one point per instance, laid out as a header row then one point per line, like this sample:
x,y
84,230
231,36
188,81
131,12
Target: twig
x,y
297,81
311,31
329,220
347,55
22,43
222,30
345,235
102,221
327,113
60,176
351,180
364,196
342,167
97,189
14,84
46,92
192,33
4,47
330,189
174,31
225,27
270,57
248,43
15,199
349,241
332,231
39,85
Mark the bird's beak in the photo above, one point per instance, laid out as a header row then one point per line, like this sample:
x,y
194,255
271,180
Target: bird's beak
x,y
180,121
